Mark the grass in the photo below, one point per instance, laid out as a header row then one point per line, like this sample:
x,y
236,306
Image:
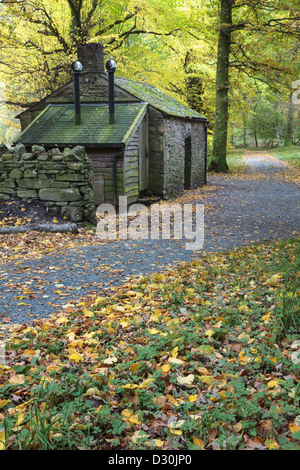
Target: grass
x,y
201,356
291,155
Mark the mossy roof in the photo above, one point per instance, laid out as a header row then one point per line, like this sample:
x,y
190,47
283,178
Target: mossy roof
x,y
157,98
56,125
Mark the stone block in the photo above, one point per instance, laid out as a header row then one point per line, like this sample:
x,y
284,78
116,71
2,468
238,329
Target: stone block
x,y
27,194
15,174
43,157
70,177
28,157
30,183
59,194
36,150
7,157
75,214
75,166
30,174
79,151
19,150
54,152
57,158
7,190
4,197
7,184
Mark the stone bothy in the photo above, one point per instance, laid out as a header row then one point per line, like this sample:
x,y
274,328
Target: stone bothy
x,y
155,146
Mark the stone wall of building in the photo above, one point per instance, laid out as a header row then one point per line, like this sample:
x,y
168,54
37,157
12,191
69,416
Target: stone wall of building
x,y
62,181
167,150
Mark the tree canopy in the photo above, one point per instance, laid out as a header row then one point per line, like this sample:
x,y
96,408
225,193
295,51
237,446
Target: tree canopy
x,y
215,56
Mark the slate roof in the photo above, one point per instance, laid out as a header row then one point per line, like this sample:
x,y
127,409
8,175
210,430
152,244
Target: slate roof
x,y
157,98
56,125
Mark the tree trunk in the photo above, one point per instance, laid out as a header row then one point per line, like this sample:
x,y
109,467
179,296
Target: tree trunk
x,y
289,124
219,163
245,131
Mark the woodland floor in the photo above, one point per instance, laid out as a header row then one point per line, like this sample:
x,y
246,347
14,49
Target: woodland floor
x,y
42,274
201,352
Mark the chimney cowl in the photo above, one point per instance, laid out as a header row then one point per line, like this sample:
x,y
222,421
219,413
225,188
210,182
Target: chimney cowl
x,y
77,66
111,65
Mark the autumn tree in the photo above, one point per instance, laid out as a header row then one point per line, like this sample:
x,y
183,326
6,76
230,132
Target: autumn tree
x,y
250,40
38,38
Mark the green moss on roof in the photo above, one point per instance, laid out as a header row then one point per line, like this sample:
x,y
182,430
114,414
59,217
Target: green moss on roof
x,y
56,125
157,98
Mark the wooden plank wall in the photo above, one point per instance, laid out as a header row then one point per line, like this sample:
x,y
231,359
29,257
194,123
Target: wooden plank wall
x,y
131,168
102,161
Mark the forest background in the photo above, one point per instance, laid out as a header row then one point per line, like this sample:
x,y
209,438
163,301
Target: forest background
x,y
235,61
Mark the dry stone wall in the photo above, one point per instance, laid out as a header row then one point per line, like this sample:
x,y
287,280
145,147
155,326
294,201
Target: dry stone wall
x,y
62,181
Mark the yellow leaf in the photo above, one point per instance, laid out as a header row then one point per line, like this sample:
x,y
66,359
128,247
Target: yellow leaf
x,y
158,442
272,384
272,281
174,360
198,442
266,317
76,357
272,444
206,379
22,407
130,386
175,427
87,312
166,368
243,357
20,419
118,308
17,379
209,333
2,440
174,352
294,428
244,336
110,360
62,320
133,367
185,380
130,417
92,391
193,398
153,331
172,400
3,403
146,383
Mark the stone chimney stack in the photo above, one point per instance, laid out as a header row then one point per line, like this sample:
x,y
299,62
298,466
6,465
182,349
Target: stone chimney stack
x,y
91,57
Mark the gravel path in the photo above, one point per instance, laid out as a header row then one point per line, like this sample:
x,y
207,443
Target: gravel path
x,y
258,206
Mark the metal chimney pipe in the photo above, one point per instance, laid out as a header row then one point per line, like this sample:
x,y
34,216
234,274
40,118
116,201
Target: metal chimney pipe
x,y
111,68
76,70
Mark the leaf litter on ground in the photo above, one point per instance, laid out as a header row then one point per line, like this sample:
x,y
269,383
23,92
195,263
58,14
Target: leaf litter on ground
x,y
202,356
